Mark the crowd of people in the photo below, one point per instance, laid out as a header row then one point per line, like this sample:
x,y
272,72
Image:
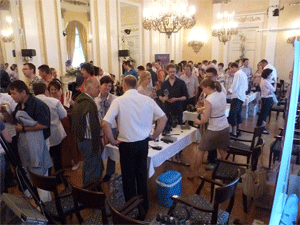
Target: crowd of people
x,y
122,113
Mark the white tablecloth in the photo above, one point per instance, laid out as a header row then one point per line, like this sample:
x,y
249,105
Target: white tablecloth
x,y
157,157
191,116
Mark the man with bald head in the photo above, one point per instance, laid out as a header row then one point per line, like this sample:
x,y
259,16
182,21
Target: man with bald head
x,y
134,114
86,125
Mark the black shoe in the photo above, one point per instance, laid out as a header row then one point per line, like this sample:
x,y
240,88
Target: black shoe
x,y
106,178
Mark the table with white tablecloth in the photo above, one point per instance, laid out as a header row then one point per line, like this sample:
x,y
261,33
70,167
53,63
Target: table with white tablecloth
x,y
158,157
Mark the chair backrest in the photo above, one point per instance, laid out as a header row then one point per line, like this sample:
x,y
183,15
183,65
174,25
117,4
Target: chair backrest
x,y
48,183
256,153
119,218
256,136
89,199
223,194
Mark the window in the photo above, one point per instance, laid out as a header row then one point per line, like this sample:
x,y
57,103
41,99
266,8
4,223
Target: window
x,y
78,56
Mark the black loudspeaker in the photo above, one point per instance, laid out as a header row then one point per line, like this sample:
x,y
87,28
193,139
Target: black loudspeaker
x,y
124,53
14,53
28,52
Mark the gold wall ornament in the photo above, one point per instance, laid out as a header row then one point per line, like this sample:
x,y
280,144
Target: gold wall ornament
x,y
196,45
168,16
291,40
196,39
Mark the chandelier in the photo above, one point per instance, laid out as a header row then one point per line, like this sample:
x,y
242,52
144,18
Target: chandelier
x,y
168,16
225,28
7,34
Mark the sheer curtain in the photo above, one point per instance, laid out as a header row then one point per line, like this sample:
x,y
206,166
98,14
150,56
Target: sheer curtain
x,y
83,39
71,33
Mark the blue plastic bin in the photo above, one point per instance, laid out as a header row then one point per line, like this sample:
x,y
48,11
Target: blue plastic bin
x,y
168,184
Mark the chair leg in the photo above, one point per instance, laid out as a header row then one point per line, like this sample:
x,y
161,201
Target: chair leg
x,y
212,191
270,159
233,157
245,203
270,114
277,114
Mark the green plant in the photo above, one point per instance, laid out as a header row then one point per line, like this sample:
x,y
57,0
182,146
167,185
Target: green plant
x,y
73,72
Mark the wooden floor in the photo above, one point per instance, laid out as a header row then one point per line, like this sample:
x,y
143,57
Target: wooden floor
x,y
189,187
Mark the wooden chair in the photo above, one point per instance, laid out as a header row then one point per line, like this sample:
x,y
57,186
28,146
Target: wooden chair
x,y
63,204
276,149
278,108
226,171
239,147
122,216
199,210
87,199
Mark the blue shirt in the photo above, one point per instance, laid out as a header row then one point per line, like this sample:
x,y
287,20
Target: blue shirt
x,y
131,72
38,111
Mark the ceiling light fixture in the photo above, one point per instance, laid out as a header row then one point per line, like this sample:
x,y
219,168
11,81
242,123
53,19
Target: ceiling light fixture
x,y
168,16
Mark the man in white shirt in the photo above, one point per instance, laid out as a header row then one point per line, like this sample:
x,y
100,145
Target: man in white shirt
x,y
238,90
192,84
273,77
57,112
194,70
134,113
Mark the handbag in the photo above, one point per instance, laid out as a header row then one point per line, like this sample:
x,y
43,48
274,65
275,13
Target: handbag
x,y
254,182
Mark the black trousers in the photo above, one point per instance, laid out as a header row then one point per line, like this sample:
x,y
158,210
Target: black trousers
x,y
133,159
266,105
212,156
235,117
55,153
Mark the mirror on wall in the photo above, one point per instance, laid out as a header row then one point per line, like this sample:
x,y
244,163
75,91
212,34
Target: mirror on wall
x,y
7,45
130,32
77,31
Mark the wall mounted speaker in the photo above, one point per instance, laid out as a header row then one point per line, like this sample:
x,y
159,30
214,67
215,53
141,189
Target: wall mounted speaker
x,y
124,53
28,52
14,53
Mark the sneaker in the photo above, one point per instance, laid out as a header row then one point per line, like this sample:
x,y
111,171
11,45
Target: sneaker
x,y
263,124
76,166
210,167
27,193
265,131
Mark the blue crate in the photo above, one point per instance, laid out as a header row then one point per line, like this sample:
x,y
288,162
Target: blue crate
x,y
168,184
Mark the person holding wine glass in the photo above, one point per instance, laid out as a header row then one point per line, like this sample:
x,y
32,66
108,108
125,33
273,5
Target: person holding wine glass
x,y
174,94
143,85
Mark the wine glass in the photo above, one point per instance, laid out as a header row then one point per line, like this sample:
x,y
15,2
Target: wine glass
x,y
166,92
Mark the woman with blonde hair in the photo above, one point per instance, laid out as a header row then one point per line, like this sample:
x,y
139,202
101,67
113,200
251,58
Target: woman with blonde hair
x,y
216,136
143,85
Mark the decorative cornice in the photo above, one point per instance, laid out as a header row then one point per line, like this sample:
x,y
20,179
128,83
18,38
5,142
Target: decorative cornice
x,y
247,19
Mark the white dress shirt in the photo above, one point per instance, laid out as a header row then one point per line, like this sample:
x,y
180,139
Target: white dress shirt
x,y
239,85
134,113
195,72
266,88
192,84
272,78
6,99
57,112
